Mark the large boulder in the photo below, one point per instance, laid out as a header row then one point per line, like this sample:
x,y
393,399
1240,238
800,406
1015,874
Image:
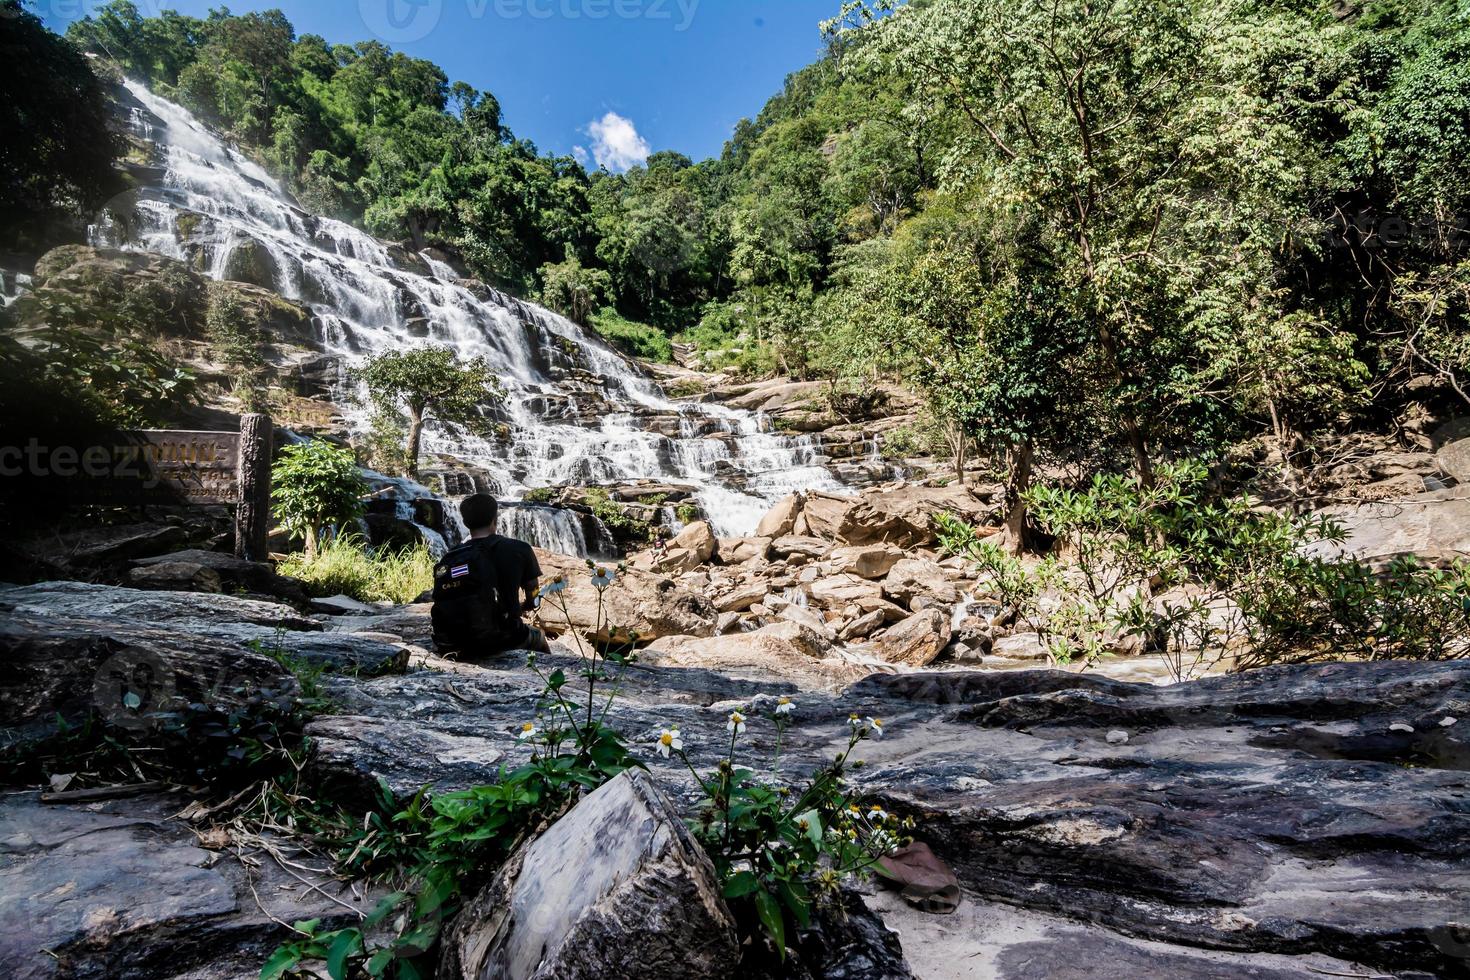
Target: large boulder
x,y
235,574
780,519
800,547
189,611
783,649
865,560
901,514
1453,448
74,667
916,641
616,888
840,591
698,539
914,578
1433,526
637,601
125,889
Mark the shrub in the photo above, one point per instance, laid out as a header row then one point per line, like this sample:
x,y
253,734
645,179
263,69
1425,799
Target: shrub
x,y
343,566
637,339
237,342
778,851
1249,581
316,484
613,517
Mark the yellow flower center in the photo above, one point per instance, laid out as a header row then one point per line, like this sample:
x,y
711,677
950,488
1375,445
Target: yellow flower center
x,y
666,739
528,727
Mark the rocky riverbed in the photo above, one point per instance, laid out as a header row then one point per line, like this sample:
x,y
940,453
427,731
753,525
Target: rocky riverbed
x,y
1287,822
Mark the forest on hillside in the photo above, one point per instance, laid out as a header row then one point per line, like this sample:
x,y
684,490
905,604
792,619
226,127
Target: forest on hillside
x,y
1132,229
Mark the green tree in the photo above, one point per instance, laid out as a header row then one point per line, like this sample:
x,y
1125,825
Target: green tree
x,y
57,153
574,290
431,383
315,485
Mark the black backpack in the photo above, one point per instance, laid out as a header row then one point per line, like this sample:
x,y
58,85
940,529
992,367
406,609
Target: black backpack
x,y
468,612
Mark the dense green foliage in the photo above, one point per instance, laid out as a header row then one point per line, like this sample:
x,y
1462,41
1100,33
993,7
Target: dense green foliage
x,y
57,150
1128,231
315,485
345,566
1204,578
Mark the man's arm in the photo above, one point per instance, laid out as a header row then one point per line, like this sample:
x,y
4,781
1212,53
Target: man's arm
x,y
532,580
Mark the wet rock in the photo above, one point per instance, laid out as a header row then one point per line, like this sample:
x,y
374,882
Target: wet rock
x,y
616,888
916,641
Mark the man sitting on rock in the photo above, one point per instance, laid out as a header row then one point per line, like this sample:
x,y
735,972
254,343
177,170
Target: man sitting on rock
x,y
483,587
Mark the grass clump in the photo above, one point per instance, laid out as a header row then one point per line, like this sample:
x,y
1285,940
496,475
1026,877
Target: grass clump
x,y
638,339
345,566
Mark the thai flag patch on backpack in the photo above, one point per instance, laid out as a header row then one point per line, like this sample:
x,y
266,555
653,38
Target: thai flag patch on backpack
x,y
459,571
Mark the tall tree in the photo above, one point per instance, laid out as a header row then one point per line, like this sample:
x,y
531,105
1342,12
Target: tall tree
x,y
432,384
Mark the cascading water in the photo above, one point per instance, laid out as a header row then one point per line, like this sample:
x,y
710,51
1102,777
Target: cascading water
x,y
577,411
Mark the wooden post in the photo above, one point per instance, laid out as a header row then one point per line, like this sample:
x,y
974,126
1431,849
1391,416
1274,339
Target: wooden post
x,y
253,512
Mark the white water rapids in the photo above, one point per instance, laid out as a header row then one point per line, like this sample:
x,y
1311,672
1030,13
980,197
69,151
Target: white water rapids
x,y
578,411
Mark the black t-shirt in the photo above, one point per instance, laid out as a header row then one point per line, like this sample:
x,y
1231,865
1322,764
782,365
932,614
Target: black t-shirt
x,y
515,566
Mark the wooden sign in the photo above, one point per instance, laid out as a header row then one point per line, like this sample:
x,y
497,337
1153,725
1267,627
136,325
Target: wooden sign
x,y
170,467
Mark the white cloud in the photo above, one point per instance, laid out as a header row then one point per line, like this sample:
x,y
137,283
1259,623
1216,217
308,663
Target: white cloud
x,y
616,144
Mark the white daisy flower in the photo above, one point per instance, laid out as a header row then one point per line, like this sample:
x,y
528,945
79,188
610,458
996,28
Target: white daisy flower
x,y
876,724
603,577
669,741
737,723
785,706
528,730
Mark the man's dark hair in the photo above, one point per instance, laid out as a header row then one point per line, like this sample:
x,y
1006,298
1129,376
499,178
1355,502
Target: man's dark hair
x,y
479,511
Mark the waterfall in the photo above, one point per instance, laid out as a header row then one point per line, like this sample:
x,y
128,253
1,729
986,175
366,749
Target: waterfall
x,y
576,410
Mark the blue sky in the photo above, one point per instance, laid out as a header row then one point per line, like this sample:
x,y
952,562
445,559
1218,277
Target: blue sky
x,y
612,77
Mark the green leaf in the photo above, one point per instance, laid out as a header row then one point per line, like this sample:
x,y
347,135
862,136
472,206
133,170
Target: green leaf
x,y
741,883
283,959
348,941
770,916
384,907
